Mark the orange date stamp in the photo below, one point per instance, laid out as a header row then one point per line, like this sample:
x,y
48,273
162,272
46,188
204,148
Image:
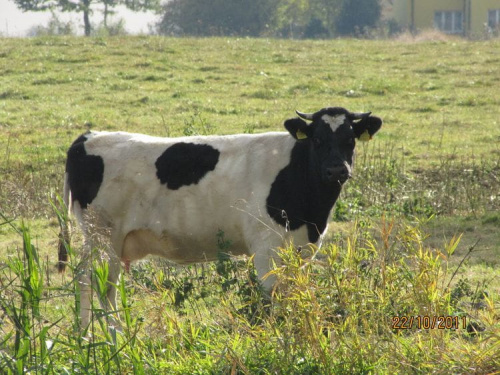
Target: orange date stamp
x,y
429,322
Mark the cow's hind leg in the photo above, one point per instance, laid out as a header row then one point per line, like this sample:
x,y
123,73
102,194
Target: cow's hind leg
x,y
109,303
106,273
85,297
84,285
92,279
90,271
99,270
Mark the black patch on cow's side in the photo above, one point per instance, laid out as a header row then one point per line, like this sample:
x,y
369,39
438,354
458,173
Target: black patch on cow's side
x,y
85,173
298,197
184,164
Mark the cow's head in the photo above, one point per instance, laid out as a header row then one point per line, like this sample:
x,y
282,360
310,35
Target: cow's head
x,y
331,136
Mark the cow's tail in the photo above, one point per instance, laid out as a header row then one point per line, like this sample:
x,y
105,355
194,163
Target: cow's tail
x,y
64,239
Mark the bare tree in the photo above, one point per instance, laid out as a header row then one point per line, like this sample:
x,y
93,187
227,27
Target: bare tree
x,y
84,6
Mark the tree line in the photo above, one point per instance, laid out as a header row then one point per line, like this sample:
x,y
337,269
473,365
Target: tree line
x,y
282,18
278,18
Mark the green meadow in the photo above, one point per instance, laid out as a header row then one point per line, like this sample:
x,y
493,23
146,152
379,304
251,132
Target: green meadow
x,y
415,233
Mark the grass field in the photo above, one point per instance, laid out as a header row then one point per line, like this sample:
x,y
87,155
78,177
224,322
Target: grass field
x,y
431,176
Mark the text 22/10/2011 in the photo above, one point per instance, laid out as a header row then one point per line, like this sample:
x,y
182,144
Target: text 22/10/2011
x,y
429,322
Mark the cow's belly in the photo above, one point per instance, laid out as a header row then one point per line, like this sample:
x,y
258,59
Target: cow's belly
x,y
181,230
186,231
183,250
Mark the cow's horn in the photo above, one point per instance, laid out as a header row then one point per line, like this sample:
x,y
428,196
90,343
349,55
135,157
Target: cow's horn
x,y
359,116
305,116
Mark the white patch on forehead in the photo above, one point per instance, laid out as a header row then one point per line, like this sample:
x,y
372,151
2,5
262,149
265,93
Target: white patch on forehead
x,y
334,122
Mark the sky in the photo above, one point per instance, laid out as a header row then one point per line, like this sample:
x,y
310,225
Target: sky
x,y
14,23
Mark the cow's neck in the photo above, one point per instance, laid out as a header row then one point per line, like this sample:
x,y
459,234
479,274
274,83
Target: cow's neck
x,y
297,196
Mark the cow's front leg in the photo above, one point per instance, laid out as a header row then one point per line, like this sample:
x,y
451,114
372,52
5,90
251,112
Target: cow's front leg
x,y
264,260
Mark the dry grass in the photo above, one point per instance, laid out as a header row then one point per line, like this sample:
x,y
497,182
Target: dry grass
x,y
428,35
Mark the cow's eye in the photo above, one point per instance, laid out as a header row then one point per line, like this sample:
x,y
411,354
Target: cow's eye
x,y
317,141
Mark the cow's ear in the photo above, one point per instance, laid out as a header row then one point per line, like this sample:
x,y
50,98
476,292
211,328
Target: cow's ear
x,y
366,128
298,128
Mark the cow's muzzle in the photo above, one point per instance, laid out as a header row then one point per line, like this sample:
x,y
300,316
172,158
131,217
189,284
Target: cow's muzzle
x,y
339,173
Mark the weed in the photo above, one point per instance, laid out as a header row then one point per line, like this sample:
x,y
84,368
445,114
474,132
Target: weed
x,y
249,128
197,125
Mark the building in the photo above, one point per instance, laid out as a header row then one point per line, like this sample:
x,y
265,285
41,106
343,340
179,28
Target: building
x,y
463,17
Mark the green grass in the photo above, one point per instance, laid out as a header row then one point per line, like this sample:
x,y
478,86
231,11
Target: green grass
x,y
433,170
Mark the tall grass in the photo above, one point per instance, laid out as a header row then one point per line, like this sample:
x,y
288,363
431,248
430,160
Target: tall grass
x,y
332,312
384,182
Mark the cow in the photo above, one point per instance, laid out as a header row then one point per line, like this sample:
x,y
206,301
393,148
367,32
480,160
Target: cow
x,y
170,197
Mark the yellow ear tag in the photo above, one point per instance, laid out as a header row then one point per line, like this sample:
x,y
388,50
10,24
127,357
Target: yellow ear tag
x,y
365,137
300,135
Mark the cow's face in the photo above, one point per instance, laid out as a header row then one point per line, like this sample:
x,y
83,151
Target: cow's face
x,y
331,136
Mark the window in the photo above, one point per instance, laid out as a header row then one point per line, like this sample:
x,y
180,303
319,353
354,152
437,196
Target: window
x,y
494,18
450,22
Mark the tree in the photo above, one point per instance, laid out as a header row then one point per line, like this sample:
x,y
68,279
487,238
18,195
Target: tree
x,y
305,18
356,16
215,17
84,6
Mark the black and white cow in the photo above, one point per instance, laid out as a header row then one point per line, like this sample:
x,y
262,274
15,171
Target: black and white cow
x,y
171,196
